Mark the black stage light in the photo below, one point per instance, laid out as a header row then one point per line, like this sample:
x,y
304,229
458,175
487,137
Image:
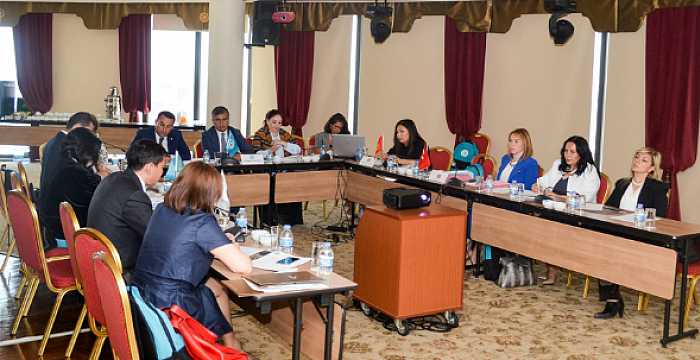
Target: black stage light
x,y
559,29
380,26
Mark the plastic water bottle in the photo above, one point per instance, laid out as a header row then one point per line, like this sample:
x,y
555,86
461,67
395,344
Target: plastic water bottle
x,y
242,220
488,183
640,216
206,157
286,240
325,259
571,199
359,153
323,150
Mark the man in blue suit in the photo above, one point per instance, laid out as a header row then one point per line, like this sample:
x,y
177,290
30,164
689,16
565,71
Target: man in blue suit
x,y
221,133
165,135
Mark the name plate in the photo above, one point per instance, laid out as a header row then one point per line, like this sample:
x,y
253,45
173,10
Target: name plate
x,y
252,159
438,176
368,161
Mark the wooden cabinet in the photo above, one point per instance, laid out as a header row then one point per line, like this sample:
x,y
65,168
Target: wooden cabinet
x,y
410,263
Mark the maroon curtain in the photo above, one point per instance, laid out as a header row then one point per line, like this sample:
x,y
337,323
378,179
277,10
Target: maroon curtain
x,y
294,67
33,37
673,91
465,54
135,64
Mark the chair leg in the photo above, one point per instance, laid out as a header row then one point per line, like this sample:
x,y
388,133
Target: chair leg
x,y
97,348
586,286
32,295
22,283
26,302
643,301
76,331
10,249
306,205
4,236
569,279
689,300
52,320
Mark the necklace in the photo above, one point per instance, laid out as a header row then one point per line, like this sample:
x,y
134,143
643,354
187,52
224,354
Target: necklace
x,y
637,183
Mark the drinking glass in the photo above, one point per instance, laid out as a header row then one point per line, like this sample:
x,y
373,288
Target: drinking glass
x,y
315,247
650,222
540,186
275,234
222,218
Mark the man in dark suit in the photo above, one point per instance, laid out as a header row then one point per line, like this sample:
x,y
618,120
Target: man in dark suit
x,y
221,133
166,135
51,159
120,207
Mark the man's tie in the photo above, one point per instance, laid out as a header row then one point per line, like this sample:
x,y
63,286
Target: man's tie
x,y
222,142
160,141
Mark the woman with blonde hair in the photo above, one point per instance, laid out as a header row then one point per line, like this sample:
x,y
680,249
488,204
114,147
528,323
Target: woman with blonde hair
x,y
642,187
181,241
518,164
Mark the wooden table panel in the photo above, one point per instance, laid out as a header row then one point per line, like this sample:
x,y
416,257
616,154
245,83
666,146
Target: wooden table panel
x,y
299,186
633,264
365,189
248,189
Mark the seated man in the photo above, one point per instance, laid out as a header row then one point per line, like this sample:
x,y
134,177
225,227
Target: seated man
x,y
120,207
166,135
222,138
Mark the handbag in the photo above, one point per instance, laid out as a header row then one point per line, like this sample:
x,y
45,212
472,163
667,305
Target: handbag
x,y
515,271
200,342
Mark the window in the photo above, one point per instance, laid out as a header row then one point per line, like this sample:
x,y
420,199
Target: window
x,y
179,74
9,92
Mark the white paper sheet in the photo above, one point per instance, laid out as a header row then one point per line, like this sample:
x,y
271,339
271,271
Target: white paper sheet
x,y
270,262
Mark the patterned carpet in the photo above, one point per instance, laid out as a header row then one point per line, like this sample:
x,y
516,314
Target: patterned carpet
x,y
552,322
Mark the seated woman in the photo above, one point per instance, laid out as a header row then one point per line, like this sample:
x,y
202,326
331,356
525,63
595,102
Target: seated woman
x,y
337,124
273,138
181,240
575,172
518,164
408,144
80,152
644,188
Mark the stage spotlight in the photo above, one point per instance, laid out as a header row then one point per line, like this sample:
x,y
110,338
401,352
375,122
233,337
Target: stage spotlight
x,y
380,26
559,29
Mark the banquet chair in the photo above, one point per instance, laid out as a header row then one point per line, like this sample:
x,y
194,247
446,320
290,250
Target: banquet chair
x,y
440,158
54,271
482,142
87,243
115,305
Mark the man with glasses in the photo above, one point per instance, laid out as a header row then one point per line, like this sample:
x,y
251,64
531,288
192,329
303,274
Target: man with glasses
x,y
165,135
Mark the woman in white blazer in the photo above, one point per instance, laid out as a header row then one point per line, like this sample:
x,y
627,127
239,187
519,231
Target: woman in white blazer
x,y
575,172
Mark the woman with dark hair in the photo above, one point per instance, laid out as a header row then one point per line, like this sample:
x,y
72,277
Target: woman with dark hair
x,y
181,240
75,180
408,144
273,138
644,187
337,124
574,172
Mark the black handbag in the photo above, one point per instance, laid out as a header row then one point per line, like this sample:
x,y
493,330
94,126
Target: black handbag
x,y
516,271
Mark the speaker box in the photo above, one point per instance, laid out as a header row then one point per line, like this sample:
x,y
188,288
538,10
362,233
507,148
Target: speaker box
x,y
265,31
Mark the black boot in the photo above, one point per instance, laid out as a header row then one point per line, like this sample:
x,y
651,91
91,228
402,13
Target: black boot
x,y
612,307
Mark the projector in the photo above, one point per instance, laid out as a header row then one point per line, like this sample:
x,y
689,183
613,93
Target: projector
x,y
401,198
283,17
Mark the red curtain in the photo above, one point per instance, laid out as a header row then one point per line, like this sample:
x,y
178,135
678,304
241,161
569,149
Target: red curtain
x,y
465,54
673,91
294,67
33,37
135,64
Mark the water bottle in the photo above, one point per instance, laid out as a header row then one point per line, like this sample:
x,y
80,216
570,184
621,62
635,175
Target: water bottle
x,y
513,189
323,150
206,157
242,220
488,183
571,200
325,259
640,216
359,153
286,240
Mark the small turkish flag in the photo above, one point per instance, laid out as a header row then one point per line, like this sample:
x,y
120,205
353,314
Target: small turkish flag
x,y
380,147
424,162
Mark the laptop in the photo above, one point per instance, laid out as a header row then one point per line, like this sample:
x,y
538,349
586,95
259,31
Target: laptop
x,y
345,146
283,278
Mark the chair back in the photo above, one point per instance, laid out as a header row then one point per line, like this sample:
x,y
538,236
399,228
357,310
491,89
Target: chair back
x,y
312,141
604,189
3,196
487,162
540,171
440,158
25,227
41,151
69,224
197,149
482,142
88,242
116,307
249,141
23,179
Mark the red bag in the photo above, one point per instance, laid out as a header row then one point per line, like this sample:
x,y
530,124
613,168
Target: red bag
x,y
200,342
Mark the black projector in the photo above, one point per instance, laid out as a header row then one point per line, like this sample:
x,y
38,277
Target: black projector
x,y
401,198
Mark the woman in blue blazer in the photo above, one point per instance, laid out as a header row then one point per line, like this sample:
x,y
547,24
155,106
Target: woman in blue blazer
x,y
518,164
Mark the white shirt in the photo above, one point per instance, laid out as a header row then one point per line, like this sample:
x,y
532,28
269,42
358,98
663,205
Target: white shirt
x,y
164,143
586,184
222,144
143,184
505,174
630,198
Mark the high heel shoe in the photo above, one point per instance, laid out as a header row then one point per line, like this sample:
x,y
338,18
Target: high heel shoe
x,y
612,308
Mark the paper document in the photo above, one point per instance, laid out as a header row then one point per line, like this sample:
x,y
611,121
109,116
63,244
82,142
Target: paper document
x,y
593,207
279,261
284,288
250,250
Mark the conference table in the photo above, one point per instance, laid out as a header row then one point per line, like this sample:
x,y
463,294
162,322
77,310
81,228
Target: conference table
x,y
593,243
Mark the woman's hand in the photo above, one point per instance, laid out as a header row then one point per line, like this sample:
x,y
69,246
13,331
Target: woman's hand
x,y
535,188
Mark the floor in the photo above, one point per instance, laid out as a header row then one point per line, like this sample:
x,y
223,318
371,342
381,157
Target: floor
x,y
553,322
